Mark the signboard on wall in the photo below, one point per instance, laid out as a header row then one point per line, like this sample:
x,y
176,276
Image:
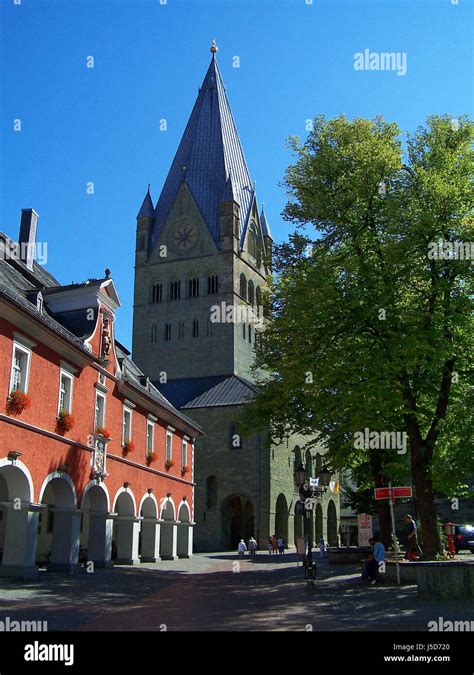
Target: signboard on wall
x,y
365,528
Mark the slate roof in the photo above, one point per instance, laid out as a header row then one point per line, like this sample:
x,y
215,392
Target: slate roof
x,y
264,223
147,208
209,160
132,373
207,392
75,325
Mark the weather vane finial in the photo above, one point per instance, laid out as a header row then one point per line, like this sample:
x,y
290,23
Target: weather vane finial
x,y
214,48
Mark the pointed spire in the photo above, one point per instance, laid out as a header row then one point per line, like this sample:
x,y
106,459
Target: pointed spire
x,y
147,208
264,223
211,151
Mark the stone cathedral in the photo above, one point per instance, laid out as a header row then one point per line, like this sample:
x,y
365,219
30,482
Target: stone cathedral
x,y
206,245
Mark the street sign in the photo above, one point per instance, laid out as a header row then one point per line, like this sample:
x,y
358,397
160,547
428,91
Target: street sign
x,y
397,492
405,491
314,482
382,493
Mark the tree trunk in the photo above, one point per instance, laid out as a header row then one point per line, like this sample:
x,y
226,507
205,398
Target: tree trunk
x,y
430,544
383,511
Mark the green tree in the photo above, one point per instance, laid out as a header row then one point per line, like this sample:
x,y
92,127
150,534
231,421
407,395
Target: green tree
x,y
370,326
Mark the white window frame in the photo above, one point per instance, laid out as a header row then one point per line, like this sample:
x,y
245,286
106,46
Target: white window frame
x,y
184,453
64,373
28,353
150,433
126,411
169,435
98,395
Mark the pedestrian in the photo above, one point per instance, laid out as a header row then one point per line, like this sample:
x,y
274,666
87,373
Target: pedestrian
x,y
270,546
252,547
242,548
274,541
322,546
281,545
413,547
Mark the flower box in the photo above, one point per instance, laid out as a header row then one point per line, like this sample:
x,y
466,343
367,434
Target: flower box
x,y
65,421
150,457
17,402
169,463
100,431
127,447
185,469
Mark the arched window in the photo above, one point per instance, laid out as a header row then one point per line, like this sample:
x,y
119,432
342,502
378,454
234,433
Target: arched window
x,y
243,286
156,292
175,290
317,463
195,328
212,284
250,333
259,299
154,332
181,330
298,458
243,330
193,287
251,294
309,464
211,492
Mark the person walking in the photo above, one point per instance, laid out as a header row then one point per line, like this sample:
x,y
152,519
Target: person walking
x,y
270,546
242,548
252,547
281,545
413,547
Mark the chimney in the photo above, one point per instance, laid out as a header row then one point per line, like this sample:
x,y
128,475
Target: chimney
x,y
27,237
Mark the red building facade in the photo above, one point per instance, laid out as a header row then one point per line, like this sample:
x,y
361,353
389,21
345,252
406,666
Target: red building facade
x,y
95,464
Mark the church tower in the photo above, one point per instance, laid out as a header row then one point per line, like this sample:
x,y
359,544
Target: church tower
x,y
201,266
202,253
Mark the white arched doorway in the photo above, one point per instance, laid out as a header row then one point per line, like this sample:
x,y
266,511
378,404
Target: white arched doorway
x,y
126,528
185,532
168,531
18,520
97,527
150,530
59,527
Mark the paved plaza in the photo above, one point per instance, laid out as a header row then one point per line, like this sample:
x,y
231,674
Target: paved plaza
x,y
219,591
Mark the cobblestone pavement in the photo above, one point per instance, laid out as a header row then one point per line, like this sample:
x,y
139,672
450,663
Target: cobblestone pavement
x,y
220,592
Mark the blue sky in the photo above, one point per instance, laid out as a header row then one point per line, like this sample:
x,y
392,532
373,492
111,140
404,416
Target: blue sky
x,y
102,124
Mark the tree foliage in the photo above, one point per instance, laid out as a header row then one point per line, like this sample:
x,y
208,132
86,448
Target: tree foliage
x,y
371,327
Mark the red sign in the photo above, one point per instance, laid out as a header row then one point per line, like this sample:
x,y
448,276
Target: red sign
x,y
402,491
384,493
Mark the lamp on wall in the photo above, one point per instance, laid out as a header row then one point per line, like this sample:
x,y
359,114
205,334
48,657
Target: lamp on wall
x,y
13,455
